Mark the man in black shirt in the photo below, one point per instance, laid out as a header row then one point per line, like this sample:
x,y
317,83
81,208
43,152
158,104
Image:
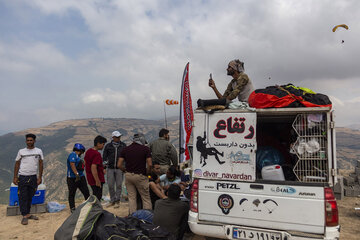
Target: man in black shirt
x,y
171,213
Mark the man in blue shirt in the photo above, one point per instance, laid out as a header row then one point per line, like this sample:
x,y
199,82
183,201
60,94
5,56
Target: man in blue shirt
x,y
75,175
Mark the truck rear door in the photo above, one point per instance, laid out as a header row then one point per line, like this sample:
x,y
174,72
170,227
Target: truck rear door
x,y
263,205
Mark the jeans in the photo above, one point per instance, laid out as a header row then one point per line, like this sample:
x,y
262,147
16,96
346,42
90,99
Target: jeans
x,y
73,186
26,189
97,191
114,180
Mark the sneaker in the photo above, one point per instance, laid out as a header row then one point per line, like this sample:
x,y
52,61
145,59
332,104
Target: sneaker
x,y
117,204
72,210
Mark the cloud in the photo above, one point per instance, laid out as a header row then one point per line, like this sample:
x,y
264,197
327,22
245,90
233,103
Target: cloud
x,y
104,95
92,98
90,58
336,102
355,100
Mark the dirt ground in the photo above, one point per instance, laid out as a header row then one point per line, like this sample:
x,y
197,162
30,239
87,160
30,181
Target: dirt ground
x,y
10,227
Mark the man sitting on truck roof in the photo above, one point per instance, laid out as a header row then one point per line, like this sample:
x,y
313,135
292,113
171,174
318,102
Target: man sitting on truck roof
x,y
240,86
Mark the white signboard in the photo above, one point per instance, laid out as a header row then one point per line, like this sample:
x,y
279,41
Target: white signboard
x,y
224,146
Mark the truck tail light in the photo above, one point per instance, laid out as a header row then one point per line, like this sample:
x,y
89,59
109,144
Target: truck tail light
x,y
194,196
331,210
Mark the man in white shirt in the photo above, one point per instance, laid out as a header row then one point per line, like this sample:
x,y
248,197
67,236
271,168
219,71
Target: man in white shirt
x,y
28,175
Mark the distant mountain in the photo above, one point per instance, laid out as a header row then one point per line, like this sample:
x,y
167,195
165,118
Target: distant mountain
x,y
348,148
57,139
354,126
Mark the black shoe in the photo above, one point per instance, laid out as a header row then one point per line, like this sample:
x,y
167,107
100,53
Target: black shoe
x,y
72,210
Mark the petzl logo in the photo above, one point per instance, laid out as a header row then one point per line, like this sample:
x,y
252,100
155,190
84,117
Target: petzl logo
x,y
286,190
225,203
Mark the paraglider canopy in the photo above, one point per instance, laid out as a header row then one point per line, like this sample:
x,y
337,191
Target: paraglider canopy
x,y
341,25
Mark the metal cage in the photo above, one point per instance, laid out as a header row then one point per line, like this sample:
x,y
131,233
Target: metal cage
x,y
311,147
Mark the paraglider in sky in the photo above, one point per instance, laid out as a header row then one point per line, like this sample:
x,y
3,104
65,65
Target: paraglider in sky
x,y
171,102
341,25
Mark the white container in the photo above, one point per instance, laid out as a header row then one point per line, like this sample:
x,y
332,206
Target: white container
x,y
273,172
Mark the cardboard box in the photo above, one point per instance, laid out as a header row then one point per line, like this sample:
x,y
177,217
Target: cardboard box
x,y
357,171
339,186
15,210
339,196
348,191
349,181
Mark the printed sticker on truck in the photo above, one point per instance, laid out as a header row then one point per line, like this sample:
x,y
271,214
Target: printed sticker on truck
x,y
225,146
285,190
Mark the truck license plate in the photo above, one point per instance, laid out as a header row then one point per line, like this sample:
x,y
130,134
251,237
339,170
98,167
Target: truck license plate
x,y
241,233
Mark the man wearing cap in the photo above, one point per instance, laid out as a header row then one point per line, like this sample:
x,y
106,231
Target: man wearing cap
x,y
137,158
114,175
240,86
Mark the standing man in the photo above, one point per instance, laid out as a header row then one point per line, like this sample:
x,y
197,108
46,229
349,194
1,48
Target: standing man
x,y
163,151
240,86
94,167
114,174
29,161
75,175
137,158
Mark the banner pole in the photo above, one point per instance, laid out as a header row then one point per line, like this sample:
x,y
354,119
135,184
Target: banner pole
x,y
165,116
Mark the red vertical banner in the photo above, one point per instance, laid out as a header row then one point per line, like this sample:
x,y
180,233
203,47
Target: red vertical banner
x,y
186,116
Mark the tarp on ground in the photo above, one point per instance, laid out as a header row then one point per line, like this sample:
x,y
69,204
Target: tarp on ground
x,y
90,222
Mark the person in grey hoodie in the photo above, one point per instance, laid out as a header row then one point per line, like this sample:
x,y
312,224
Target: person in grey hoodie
x,y
114,176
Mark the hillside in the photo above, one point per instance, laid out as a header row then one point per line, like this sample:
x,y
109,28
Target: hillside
x,y
57,139
348,148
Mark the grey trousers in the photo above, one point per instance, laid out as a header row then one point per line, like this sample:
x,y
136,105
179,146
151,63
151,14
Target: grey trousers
x,y
114,181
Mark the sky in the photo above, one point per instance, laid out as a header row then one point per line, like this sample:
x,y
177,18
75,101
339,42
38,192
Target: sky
x,y
74,59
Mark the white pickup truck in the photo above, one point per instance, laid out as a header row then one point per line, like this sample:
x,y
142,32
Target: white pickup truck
x,y
264,174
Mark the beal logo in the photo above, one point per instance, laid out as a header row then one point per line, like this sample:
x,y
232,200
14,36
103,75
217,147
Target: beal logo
x,y
225,203
286,190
